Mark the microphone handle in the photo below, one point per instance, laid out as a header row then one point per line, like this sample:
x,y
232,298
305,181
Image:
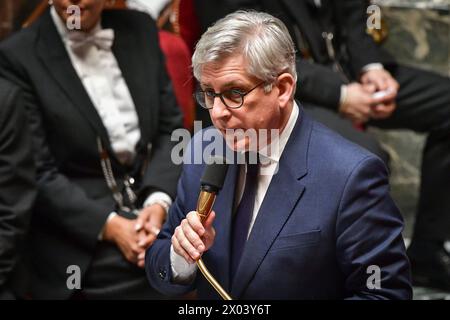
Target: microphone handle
x,y
204,206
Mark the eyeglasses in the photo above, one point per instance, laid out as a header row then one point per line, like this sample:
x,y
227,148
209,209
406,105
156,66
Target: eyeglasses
x,y
233,98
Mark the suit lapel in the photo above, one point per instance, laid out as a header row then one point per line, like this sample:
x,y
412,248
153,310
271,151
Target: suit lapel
x,y
54,56
283,194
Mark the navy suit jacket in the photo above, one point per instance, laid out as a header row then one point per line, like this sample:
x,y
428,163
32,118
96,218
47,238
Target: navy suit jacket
x,y
326,218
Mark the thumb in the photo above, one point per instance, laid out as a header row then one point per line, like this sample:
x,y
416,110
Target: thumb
x,y
370,88
157,219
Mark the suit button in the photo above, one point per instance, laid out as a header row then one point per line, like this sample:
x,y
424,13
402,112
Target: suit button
x,y
162,274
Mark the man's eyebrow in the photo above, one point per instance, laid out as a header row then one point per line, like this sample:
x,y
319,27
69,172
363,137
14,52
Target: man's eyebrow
x,y
227,84
235,83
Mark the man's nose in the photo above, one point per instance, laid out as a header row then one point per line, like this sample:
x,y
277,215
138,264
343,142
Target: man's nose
x,y
219,109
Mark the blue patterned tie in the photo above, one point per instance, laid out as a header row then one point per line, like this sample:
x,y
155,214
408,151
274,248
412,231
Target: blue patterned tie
x,y
243,217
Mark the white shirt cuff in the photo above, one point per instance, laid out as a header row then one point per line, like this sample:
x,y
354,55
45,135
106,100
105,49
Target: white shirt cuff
x,y
100,235
182,271
372,66
343,96
159,197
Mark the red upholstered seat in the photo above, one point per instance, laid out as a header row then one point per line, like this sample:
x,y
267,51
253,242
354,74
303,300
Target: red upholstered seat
x,y
188,23
178,62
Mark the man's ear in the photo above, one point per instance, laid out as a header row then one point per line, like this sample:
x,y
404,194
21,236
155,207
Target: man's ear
x,y
285,85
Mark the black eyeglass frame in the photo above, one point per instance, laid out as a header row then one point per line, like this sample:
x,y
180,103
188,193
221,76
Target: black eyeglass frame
x,y
214,95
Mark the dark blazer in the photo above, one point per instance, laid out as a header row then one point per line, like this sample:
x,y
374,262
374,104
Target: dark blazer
x,y
74,199
317,82
17,183
326,217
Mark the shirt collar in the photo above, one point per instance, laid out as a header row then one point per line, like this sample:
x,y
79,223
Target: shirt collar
x,y
273,152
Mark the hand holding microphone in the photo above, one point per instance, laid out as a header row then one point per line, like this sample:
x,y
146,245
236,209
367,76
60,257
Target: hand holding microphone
x,y
191,238
195,234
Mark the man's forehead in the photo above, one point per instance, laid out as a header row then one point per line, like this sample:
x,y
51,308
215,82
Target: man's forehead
x,y
231,71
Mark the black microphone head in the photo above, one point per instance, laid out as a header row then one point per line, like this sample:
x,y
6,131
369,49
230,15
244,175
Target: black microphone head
x,y
214,174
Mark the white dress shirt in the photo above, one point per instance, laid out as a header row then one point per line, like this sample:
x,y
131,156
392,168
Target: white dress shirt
x,y
102,79
182,271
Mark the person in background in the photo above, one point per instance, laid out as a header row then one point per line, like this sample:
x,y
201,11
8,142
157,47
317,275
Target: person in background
x,y
17,189
102,111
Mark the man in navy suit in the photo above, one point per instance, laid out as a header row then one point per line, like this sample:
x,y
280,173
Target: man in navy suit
x,y
312,219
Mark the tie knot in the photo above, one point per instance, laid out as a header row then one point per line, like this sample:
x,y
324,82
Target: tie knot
x,y
102,39
251,173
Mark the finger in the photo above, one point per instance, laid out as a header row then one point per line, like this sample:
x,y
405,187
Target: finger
x,y
147,241
132,255
179,250
158,216
209,221
381,107
141,219
365,79
155,223
384,111
141,255
370,88
363,111
373,79
141,264
208,238
142,235
210,233
195,223
393,85
150,228
135,249
186,244
141,260
192,236
381,82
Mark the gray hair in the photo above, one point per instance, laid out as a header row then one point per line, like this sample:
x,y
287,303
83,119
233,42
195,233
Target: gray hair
x,y
262,39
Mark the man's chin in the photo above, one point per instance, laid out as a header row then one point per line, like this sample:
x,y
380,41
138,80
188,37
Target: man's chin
x,y
236,145
240,146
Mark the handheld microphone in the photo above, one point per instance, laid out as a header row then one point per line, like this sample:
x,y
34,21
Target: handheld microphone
x,y
211,183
